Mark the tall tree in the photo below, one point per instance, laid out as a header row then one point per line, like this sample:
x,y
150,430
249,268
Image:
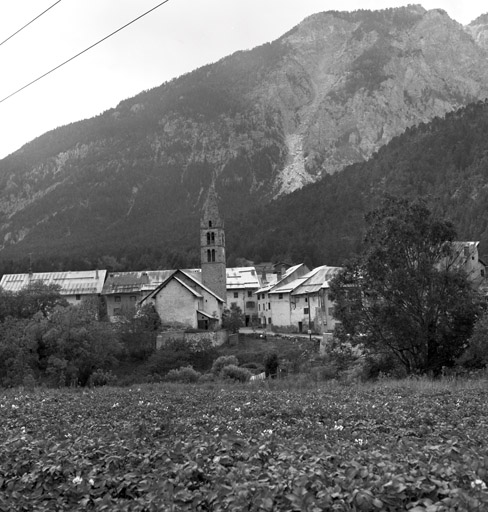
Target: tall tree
x,y
403,296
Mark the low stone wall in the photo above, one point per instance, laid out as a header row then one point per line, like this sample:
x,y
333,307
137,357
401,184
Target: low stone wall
x,y
217,338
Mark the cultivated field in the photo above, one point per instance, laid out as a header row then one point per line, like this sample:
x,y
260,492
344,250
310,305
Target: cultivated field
x,y
411,445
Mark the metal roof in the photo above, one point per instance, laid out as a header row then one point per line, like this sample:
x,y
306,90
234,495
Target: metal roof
x,y
316,280
275,282
86,282
242,277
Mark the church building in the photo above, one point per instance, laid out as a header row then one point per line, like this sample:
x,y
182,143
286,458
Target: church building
x,y
187,299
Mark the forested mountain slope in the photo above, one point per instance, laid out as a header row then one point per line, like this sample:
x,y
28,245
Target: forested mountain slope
x,y
444,161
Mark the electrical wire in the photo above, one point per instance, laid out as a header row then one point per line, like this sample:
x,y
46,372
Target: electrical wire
x,y
27,24
82,52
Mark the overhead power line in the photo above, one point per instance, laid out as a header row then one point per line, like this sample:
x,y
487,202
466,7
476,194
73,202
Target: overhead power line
x,y
27,24
82,52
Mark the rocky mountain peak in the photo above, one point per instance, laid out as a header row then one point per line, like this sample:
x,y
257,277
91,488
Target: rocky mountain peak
x,y
478,29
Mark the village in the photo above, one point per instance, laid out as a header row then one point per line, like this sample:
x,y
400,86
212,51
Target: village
x,y
278,297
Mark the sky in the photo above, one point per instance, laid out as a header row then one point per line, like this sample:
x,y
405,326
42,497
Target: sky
x,y
175,38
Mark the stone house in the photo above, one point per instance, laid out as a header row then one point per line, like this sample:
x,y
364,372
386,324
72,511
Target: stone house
x,y
466,257
182,300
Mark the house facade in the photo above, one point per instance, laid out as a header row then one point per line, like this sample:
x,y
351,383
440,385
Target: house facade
x,y
242,284
183,301
74,286
466,257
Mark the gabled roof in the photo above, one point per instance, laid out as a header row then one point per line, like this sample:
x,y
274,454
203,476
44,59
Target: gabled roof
x,y
180,276
312,282
284,279
316,280
87,282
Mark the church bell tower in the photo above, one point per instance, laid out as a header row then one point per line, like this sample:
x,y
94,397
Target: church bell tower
x,y
212,246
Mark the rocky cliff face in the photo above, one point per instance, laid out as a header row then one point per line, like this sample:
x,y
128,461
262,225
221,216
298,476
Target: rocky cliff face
x,y
259,124
351,82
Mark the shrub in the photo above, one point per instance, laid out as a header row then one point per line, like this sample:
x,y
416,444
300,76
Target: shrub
x,y
476,354
223,361
233,372
253,367
186,374
102,378
178,353
271,363
326,371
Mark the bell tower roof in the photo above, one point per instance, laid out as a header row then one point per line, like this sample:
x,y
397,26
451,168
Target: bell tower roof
x,y
210,212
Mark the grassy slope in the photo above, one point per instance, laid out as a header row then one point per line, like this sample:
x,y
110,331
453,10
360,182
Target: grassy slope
x,y
391,446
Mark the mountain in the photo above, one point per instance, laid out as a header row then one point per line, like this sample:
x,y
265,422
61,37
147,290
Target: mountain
x,y
130,182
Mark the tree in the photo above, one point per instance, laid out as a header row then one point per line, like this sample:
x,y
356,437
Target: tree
x,y
232,319
76,343
476,354
34,298
402,296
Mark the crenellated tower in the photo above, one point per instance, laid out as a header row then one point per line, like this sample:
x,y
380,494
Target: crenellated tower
x,y
212,246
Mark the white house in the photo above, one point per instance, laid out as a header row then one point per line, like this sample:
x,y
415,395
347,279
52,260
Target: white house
x,y
264,294
302,304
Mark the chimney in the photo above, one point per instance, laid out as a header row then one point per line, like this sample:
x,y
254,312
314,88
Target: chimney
x,y
279,272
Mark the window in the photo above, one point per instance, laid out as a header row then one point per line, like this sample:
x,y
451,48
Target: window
x,y
78,297
259,296
236,295
306,299
269,321
212,237
209,255
259,307
208,238
118,298
250,304
280,295
249,293
269,305
305,311
209,223
213,254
